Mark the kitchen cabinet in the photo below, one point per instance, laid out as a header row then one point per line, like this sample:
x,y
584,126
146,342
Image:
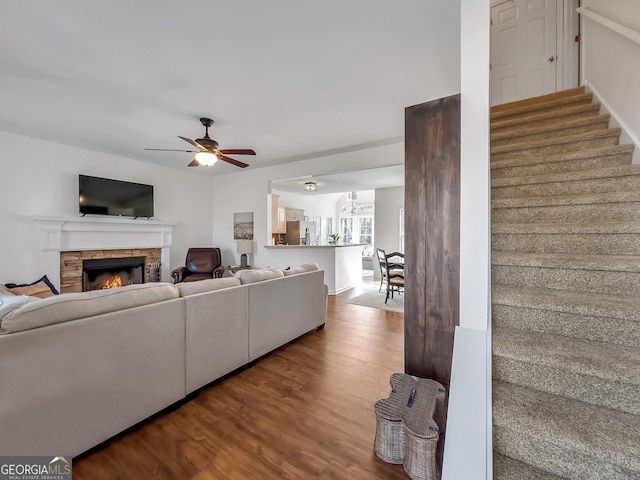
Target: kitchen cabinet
x,y
295,214
282,220
278,216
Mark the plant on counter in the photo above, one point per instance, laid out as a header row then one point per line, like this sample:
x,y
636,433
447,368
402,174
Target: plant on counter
x,y
334,238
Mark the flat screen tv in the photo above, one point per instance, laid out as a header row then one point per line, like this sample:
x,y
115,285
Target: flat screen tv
x,y
103,196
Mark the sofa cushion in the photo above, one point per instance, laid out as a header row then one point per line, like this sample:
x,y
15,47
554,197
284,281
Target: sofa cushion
x,y
73,306
191,288
4,290
253,276
305,267
10,302
41,288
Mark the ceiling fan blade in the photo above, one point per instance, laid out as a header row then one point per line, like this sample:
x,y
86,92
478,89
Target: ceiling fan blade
x,y
195,144
232,161
167,150
194,163
237,151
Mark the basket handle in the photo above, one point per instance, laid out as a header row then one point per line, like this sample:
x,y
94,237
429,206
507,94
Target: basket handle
x,y
411,398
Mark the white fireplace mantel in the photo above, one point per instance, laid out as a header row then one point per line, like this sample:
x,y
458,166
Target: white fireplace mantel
x,y
60,234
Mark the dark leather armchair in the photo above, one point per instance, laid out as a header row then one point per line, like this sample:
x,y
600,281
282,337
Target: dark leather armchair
x,y
201,264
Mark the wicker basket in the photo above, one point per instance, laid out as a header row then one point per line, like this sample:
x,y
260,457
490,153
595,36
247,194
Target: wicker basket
x,y
422,431
408,425
389,444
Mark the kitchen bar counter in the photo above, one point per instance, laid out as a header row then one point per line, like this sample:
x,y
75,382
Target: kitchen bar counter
x,y
342,264
314,246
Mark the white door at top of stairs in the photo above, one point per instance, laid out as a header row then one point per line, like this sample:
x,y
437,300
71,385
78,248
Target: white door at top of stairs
x,y
523,49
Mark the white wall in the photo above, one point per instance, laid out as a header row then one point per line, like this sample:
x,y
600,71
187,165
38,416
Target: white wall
x,y
468,447
386,222
290,200
322,205
246,191
611,64
41,178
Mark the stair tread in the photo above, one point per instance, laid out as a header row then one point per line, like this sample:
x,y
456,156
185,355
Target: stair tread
x,y
607,361
573,355
509,469
603,228
551,126
538,104
603,434
580,109
618,263
572,176
544,142
574,199
541,98
592,304
605,151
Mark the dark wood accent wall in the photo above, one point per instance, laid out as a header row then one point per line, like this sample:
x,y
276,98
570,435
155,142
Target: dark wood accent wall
x,y
432,236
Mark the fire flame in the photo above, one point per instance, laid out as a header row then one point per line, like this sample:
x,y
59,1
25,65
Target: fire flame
x,y
113,282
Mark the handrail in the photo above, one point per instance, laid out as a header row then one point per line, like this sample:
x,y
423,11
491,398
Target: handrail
x,y
620,29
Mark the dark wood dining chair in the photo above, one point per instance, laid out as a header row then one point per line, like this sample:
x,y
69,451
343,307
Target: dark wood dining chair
x,y
391,272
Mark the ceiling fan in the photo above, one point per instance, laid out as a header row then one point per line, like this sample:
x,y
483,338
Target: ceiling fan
x,y
208,152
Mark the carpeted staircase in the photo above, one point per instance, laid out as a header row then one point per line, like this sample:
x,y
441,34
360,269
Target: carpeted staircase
x,y
565,292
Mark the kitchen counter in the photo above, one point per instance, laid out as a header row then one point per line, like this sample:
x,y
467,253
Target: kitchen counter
x,y
315,246
342,264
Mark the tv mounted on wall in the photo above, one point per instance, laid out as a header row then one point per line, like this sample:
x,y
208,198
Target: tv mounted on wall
x,y
103,196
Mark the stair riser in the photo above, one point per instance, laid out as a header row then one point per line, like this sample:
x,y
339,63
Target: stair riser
x,y
592,185
607,212
561,167
596,244
559,132
532,110
558,381
593,281
590,110
559,459
556,148
600,329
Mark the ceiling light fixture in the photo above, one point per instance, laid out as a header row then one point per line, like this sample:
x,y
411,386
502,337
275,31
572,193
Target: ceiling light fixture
x,y
310,186
206,159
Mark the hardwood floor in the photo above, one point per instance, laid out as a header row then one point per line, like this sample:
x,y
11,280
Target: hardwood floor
x,y
304,411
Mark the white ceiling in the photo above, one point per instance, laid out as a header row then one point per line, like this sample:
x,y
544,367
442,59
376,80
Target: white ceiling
x,y
288,78
340,182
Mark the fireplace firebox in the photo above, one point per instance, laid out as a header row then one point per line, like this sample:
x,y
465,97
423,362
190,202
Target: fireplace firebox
x,y
112,272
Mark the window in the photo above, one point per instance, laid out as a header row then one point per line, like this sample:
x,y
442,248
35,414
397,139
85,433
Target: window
x,y
363,230
319,234
366,230
328,227
346,230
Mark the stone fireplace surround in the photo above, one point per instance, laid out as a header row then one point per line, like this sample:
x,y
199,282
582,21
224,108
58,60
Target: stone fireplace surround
x,y
79,236
71,262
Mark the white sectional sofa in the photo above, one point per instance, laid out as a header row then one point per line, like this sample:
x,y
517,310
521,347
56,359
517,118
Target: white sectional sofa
x,y
76,369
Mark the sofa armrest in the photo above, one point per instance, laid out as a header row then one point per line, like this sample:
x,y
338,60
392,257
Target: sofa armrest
x,y
179,274
218,272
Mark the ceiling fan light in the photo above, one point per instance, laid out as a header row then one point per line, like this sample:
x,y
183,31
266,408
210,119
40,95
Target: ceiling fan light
x,y
310,187
206,159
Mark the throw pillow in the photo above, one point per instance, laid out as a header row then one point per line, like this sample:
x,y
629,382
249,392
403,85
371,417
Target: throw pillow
x,y
41,288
